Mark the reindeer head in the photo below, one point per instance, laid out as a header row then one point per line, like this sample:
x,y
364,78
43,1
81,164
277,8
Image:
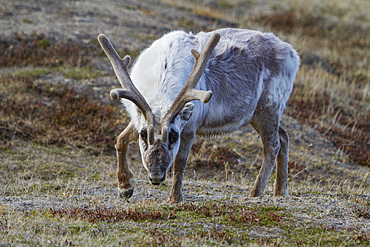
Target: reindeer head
x,y
159,139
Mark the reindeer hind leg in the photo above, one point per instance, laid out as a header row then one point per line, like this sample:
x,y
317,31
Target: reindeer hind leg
x,y
281,183
268,128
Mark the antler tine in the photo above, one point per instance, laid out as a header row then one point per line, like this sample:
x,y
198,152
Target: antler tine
x,y
188,93
128,91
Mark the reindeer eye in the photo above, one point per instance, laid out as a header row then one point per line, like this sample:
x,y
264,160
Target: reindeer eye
x,y
173,136
144,135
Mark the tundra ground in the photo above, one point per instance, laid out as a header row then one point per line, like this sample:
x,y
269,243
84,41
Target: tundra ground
x,y
58,128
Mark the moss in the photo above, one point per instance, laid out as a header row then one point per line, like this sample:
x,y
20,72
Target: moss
x,y
44,43
132,54
27,21
78,73
223,4
36,72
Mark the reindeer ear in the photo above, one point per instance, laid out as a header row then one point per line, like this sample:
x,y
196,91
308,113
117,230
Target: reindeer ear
x,y
186,111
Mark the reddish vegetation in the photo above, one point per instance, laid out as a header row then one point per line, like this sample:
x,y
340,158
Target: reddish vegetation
x,y
354,139
363,238
37,50
54,114
233,213
236,214
108,215
363,212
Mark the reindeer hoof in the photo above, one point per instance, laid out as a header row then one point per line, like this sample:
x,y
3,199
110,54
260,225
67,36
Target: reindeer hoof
x,y
126,189
174,199
255,193
281,193
126,194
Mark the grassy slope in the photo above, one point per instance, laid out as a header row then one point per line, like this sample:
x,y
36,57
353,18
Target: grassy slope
x,y
57,162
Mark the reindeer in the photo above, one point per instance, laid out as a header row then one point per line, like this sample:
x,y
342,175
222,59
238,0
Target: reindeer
x,y
245,76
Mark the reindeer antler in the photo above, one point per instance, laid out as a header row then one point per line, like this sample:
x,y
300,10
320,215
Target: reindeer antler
x,y
128,91
188,93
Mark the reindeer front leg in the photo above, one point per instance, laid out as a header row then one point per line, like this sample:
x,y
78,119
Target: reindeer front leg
x,y
126,180
179,167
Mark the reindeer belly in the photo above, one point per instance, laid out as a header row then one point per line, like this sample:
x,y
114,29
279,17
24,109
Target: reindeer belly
x,y
223,119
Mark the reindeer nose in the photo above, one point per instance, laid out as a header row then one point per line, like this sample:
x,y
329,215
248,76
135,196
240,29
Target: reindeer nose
x,y
157,179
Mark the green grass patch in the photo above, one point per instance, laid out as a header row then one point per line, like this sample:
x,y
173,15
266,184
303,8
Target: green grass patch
x,y
35,72
68,71
77,73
